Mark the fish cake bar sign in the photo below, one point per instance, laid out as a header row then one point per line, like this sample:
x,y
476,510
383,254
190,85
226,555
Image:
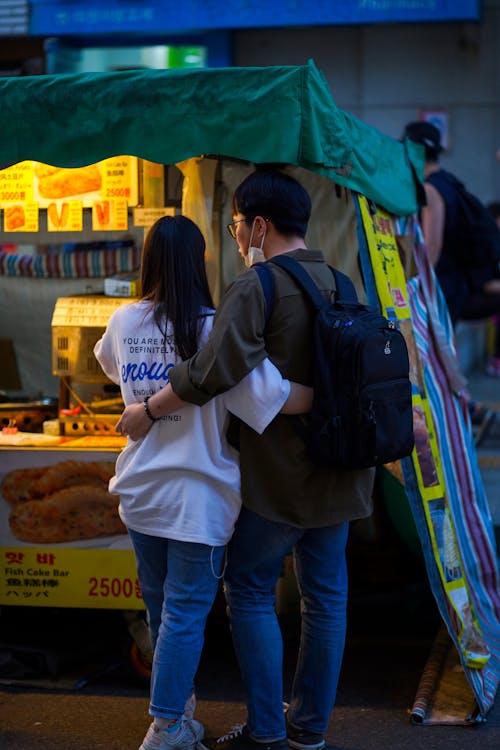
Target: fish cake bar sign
x,y
62,542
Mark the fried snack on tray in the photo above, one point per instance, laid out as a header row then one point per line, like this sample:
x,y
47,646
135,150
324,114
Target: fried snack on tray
x,y
70,514
75,181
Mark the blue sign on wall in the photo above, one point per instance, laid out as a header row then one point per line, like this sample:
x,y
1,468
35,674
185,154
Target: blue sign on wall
x,y
58,17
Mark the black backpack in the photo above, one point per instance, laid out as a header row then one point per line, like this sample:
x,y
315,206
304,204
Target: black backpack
x,y
478,236
362,407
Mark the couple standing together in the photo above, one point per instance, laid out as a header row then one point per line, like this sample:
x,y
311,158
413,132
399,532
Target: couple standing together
x,y
199,510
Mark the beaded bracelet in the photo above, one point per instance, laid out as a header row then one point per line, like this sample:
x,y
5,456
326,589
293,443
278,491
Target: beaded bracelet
x,y
148,410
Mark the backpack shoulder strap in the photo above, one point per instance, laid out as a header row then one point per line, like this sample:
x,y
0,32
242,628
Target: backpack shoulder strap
x,y
345,290
266,279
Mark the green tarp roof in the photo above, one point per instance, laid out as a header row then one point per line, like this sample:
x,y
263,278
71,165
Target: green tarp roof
x,y
282,114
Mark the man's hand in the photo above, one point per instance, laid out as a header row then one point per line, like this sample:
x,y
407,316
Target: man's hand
x,y
134,422
299,401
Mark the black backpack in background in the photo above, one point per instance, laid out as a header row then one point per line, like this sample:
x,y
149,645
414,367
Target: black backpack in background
x,y
478,236
362,410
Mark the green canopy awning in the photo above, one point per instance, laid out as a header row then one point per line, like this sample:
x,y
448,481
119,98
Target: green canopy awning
x,y
279,114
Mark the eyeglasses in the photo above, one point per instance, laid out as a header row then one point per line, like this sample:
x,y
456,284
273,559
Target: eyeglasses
x,y
231,228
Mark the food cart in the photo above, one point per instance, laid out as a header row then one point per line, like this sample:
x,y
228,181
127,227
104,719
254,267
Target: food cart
x,y
168,141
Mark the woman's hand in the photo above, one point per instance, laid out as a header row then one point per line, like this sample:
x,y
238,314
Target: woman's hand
x,y
134,422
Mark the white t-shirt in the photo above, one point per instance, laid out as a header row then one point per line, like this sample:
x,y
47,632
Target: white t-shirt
x,y
181,481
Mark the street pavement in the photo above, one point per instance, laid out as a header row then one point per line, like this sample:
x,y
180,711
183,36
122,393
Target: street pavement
x,y
387,647
97,701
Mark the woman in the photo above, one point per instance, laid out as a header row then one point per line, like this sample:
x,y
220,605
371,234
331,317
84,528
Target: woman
x,y
179,485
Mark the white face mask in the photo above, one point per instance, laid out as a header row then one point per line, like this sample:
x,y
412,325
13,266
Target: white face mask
x,y
255,254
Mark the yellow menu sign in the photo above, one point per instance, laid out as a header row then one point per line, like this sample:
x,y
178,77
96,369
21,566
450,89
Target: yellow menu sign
x,y
16,183
110,214
119,178
30,181
53,577
21,217
108,187
65,216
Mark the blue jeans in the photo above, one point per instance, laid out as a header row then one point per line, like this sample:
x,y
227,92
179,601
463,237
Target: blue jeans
x,y
255,558
179,581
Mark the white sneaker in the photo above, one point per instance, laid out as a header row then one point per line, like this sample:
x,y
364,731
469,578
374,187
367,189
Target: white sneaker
x,y
190,707
184,735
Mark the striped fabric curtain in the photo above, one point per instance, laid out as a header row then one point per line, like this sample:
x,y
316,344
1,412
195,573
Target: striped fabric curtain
x,y
468,503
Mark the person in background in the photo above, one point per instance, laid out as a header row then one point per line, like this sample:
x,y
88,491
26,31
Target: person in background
x,y
289,504
494,209
493,364
179,487
469,296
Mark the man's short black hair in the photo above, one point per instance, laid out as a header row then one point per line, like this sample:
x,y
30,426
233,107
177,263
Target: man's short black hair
x,y
276,196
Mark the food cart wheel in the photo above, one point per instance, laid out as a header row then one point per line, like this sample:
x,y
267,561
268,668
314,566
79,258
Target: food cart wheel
x,y
140,663
141,654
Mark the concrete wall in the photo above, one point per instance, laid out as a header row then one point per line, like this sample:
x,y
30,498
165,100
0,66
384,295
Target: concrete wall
x,y
385,74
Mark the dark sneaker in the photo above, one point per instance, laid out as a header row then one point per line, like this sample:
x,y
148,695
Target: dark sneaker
x,y
239,739
299,739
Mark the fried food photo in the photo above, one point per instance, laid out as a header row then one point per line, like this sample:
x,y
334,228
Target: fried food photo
x,y
58,217
66,502
70,514
17,485
63,182
102,210
14,217
45,170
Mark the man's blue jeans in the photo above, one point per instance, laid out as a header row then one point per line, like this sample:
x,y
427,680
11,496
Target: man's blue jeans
x,y
255,558
178,583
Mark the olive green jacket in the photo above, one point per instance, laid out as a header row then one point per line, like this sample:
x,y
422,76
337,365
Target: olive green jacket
x,y
278,481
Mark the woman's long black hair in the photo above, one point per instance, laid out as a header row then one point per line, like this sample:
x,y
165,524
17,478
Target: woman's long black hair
x,y
174,279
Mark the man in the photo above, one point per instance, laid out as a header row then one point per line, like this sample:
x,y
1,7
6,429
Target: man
x,y
439,218
290,505
471,293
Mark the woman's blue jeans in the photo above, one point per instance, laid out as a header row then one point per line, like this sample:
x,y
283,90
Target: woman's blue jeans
x,y
179,581
255,558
